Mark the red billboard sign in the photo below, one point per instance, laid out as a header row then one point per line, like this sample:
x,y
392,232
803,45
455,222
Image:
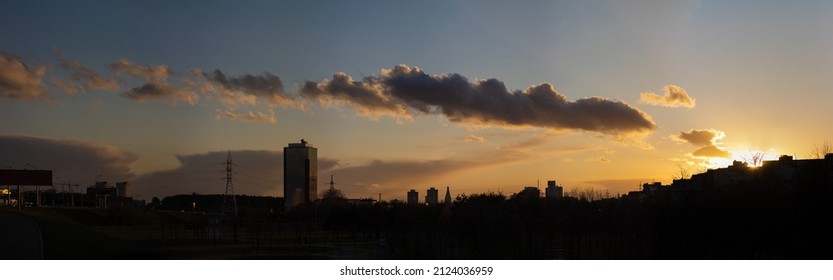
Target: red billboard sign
x,y
12,177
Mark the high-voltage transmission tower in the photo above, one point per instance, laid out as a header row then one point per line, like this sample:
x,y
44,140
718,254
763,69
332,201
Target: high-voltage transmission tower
x,y
229,212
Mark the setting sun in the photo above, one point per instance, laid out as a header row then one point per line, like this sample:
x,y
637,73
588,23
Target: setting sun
x,y
754,158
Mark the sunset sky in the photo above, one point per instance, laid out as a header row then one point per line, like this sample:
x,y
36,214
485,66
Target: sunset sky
x,y
475,95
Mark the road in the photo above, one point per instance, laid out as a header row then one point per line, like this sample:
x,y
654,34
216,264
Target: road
x,y
20,238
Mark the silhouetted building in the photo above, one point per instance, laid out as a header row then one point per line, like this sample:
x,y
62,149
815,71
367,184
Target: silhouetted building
x,y
530,192
553,191
123,189
300,173
102,194
447,195
413,197
432,197
785,171
651,187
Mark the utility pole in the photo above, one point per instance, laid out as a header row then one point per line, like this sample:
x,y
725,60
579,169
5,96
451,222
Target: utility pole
x,y
229,194
69,186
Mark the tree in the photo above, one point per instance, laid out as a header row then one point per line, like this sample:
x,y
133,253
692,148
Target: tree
x,y
754,158
684,172
588,194
821,150
332,195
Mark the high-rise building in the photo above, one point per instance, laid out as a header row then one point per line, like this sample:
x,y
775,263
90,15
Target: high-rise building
x,y
553,191
123,189
447,195
300,173
432,198
413,197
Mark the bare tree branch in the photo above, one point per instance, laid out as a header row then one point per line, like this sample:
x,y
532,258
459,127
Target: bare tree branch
x,y
821,150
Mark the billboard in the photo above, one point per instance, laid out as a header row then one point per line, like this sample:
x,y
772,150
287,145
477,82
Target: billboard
x,y
12,177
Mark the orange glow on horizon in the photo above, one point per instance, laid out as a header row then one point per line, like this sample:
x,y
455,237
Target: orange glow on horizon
x,y
754,158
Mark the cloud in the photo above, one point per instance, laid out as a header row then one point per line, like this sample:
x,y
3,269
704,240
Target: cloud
x,y
711,151
399,92
259,117
81,77
70,160
474,138
599,159
706,139
157,74
230,91
156,87
256,172
21,81
402,90
700,137
367,97
395,177
246,89
674,97
152,91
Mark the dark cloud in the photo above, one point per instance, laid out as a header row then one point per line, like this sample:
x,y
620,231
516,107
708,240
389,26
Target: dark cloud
x,y
156,87
700,137
403,89
77,161
706,139
674,97
261,173
255,173
247,88
153,91
711,151
20,81
366,97
81,77
393,177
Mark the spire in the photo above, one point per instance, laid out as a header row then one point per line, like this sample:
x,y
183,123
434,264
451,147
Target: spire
x,y
332,184
447,195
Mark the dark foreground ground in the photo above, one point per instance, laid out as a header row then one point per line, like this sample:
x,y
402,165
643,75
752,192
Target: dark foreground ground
x,y
755,220
21,236
127,234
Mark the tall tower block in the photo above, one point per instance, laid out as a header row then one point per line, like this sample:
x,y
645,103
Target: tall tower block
x,y
300,173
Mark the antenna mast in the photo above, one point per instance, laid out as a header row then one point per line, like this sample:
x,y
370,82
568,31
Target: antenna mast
x,y
229,195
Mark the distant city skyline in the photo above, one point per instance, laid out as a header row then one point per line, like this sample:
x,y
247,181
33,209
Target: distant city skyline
x,y
483,96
